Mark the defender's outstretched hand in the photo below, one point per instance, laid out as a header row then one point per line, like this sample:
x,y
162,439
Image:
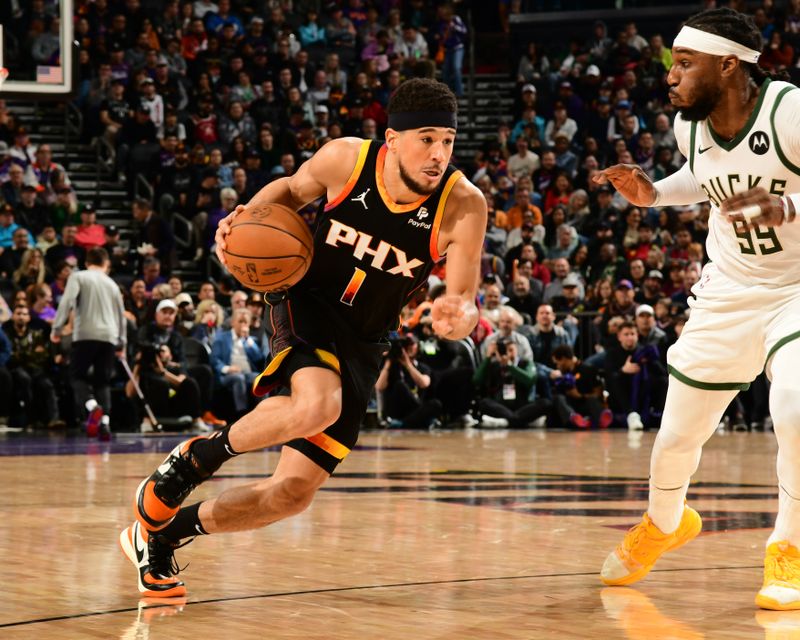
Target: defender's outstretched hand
x,y
631,181
223,229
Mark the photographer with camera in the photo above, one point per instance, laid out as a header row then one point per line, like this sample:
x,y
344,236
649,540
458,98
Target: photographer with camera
x,y
577,393
169,394
636,378
403,382
505,384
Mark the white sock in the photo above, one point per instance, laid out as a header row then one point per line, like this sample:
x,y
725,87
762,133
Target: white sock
x,y
666,507
784,403
691,416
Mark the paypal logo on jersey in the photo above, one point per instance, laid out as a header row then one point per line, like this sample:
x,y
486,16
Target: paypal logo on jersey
x,y
417,221
341,234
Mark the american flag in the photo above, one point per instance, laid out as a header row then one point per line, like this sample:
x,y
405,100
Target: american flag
x,y
50,75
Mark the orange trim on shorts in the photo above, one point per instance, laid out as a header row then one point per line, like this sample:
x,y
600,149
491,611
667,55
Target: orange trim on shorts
x,y
351,181
437,221
272,367
329,359
329,445
393,206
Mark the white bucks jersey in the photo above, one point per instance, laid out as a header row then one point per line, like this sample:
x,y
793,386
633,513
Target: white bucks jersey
x,y
765,153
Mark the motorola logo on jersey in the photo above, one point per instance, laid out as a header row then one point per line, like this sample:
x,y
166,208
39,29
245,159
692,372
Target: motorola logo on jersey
x,y
341,234
759,143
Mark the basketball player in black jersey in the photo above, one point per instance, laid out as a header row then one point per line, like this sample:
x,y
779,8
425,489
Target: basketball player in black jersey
x,y
393,210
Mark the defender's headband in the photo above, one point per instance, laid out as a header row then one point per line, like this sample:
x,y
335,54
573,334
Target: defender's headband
x,y
714,45
419,119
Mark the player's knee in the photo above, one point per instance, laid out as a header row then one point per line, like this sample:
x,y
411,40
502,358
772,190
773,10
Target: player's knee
x,y
292,495
785,411
313,415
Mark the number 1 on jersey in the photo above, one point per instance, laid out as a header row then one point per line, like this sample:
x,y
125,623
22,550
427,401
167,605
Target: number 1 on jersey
x,y
353,286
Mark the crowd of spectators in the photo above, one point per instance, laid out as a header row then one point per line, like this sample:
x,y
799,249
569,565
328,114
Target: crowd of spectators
x,y
581,293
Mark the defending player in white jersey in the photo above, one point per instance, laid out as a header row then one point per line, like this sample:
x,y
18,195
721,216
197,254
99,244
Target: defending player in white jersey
x,y
740,132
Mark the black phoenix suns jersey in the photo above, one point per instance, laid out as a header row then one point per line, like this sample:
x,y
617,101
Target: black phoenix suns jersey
x,y
371,253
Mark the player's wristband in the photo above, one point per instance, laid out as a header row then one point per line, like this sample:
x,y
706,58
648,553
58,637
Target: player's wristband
x,y
791,205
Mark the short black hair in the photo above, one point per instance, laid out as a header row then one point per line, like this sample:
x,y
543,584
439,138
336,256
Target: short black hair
x,y
563,352
740,28
96,256
422,94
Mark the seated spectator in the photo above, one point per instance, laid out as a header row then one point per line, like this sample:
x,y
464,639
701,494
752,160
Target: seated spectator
x,y
637,272
635,379
237,359
40,302
22,150
151,273
560,271
162,331
524,162
90,234
114,111
558,193
32,214
8,227
29,366
169,392
237,122
522,205
47,239
545,336
208,321
137,305
507,324
569,303
403,382
31,269
11,191
59,283
44,171
649,332
524,298
650,293
566,241
11,258
504,383
561,124
577,393
184,321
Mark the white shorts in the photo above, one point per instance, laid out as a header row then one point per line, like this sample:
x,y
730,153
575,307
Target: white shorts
x,y
732,332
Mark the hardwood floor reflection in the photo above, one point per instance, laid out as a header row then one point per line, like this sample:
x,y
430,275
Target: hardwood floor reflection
x,y
479,535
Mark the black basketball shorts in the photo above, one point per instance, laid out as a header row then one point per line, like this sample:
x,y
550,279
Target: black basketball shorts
x,y
304,331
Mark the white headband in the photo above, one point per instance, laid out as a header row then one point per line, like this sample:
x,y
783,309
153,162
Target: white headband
x,y
714,45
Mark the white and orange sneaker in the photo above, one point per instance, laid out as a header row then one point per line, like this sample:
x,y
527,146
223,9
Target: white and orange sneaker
x,y
781,590
154,558
645,543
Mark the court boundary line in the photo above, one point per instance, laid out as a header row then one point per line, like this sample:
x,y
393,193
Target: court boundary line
x,y
394,585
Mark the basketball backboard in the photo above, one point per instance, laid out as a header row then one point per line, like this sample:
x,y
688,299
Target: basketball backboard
x,y
36,48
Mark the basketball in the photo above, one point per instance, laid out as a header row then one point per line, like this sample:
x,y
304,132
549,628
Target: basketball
x,y
269,247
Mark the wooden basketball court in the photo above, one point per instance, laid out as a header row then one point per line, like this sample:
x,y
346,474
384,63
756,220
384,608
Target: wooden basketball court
x,y
462,535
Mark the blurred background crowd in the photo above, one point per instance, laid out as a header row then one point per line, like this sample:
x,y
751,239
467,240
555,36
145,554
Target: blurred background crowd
x,y
199,104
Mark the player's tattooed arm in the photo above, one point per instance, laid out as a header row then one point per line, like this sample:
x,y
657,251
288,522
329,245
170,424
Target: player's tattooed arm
x,y
759,207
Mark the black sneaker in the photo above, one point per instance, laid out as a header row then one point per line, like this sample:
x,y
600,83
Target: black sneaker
x,y
160,496
154,558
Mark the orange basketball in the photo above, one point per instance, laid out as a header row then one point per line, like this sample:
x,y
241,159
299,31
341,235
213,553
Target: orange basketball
x,y
269,247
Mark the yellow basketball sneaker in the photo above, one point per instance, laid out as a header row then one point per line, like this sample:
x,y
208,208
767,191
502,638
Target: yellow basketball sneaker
x,y
781,590
643,545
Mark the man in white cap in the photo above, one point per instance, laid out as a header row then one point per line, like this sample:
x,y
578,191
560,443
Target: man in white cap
x,y
739,129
